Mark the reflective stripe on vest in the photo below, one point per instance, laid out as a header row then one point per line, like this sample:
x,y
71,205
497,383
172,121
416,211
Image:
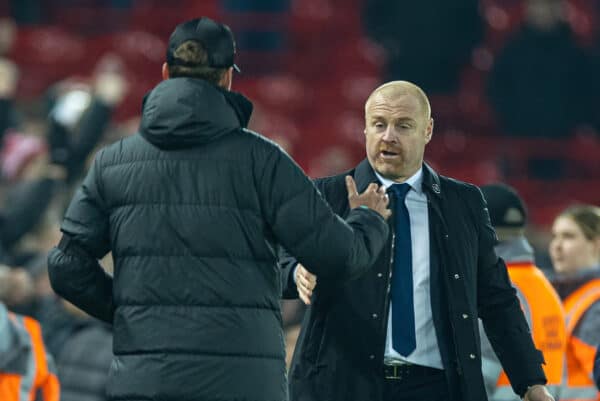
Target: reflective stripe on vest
x,y
580,356
33,373
545,316
45,380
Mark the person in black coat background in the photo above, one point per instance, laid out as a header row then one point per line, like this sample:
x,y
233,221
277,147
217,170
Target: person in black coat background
x,y
363,340
192,209
542,81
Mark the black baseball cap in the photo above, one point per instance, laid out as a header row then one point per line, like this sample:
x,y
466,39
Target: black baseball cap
x,y
505,206
216,38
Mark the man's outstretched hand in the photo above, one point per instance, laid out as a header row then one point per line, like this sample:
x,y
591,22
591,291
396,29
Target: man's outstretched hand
x,y
374,197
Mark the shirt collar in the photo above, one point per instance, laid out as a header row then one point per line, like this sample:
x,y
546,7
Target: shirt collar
x,y
415,181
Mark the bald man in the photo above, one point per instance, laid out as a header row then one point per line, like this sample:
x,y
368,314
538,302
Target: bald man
x,y
408,328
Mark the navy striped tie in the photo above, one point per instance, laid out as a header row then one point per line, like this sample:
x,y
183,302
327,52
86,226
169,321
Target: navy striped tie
x,y
403,311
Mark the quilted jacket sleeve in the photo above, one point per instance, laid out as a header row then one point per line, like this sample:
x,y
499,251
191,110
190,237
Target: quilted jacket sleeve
x,y
307,227
73,267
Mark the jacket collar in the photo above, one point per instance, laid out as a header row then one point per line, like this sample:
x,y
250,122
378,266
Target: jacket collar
x,y
431,181
364,175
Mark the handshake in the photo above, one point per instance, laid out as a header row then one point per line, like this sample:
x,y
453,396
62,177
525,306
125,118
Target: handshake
x,y
374,197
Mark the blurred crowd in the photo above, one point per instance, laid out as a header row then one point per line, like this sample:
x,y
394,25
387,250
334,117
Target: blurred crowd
x,y
514,83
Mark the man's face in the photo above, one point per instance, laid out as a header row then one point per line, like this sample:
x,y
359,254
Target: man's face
x,y
397,130
570,250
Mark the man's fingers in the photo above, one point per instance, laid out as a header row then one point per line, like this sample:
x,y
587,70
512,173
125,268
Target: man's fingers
x,y
304,298
386,200
306,275
372,187
351,186
307,284
387,213
304,293
309,277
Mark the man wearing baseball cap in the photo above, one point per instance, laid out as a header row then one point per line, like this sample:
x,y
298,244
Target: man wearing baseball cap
x,y
192,209
539,300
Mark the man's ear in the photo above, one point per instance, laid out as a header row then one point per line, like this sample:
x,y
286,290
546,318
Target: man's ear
x,y
165,71
429,130
227,79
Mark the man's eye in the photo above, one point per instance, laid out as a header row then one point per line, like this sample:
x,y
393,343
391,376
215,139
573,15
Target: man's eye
x,y
378,125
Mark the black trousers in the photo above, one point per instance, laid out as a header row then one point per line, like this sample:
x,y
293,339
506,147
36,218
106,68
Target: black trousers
x,y
416,384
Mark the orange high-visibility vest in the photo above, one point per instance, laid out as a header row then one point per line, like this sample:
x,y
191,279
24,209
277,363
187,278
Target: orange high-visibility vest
x,y
546,317
39,377
580,355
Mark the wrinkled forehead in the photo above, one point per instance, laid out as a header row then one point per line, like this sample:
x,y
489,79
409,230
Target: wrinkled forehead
x,y
393,104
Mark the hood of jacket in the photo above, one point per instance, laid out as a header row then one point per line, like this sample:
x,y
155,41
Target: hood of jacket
x,y
188,112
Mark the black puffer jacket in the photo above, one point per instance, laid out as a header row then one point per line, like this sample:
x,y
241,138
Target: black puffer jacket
x,y
192,210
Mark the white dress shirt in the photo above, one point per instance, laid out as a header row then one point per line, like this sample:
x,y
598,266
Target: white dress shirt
x,y
427,352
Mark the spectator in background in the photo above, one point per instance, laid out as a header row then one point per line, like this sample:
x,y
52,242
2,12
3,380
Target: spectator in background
x,y
428,42
24,164
539,300
8,31
8,85
80,115
575,253
26,370
16,287
34,166
541,82
575,247
9,75
80,344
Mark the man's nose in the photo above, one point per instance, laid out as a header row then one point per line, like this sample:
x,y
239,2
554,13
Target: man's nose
x,y
389,135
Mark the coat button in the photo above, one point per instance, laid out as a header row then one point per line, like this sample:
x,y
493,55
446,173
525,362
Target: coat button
x,y
379,275
465,316
371,357
374,315
472,356
456,276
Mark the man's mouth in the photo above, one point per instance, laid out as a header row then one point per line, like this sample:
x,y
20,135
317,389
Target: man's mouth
x,y
387,154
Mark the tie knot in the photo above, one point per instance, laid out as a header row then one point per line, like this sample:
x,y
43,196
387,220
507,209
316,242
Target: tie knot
x,y
400,190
